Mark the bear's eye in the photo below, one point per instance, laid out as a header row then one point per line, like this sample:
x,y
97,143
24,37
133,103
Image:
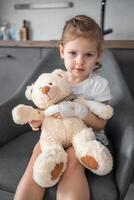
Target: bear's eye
x,y
50,83
60,75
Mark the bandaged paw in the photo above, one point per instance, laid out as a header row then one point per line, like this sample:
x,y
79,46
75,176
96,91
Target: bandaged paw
x,y
100,109
67,109
51,110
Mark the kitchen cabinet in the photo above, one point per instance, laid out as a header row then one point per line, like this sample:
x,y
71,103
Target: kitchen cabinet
x,y
15,66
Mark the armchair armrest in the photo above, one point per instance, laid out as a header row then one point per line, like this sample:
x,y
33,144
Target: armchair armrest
x,y
121,129
8,129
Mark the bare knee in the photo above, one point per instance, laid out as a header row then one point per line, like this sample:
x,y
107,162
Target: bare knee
x,y
36,151
61,194
71,196
66,188
73,162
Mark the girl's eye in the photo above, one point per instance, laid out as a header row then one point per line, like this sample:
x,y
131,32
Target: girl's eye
x,y
50,83
73,53
89,54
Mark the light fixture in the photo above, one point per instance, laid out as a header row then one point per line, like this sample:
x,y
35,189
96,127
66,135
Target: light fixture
x,y
47,5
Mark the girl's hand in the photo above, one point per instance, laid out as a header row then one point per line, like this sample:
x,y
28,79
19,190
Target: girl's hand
x,y
34,124
57,115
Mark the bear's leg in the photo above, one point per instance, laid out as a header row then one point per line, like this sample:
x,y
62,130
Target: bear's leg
x,y
50,165
91,153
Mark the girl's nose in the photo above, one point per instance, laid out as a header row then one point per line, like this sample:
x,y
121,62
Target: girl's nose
x,y
79,60
45,89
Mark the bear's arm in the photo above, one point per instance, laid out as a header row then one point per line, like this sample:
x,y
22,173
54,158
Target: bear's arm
x,y
23,114
102,110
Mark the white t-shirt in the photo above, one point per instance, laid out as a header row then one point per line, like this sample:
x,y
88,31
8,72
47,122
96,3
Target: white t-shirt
x,y
95,87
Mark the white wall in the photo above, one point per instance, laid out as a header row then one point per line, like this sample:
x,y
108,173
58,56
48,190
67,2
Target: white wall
x,y
47,24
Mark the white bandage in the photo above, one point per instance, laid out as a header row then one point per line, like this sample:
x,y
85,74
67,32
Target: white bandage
x,y
68,109
81,111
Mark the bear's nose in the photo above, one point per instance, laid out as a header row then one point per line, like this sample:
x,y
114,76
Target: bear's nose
x,y
45,89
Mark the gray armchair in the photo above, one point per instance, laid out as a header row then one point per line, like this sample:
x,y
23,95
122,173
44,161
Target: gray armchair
x,y
17,142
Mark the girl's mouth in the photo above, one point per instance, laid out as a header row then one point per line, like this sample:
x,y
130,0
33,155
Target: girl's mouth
x,y
80,69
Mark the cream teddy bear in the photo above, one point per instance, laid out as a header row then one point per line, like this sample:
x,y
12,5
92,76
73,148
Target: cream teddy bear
x,y
48,93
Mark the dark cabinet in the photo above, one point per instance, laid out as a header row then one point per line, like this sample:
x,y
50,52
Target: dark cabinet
x,y
15,65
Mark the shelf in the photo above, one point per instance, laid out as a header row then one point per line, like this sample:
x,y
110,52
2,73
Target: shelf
x,y
111,44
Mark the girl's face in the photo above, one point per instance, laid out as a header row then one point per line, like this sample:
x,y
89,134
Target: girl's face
x,y
80,57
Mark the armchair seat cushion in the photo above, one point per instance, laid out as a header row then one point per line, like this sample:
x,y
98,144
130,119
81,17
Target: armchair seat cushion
x,y
102,187
6,195
14,157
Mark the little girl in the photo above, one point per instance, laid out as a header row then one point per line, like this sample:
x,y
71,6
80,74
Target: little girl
x,y
81,49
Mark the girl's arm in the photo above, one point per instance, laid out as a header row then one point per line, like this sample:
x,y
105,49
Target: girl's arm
x,y
75,109
95,122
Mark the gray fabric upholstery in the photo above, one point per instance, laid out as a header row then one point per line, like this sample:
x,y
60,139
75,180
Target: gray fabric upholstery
x,y
6,195
16,155
17,142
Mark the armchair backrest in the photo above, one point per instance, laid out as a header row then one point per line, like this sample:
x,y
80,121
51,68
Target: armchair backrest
x,y
111,70
52,60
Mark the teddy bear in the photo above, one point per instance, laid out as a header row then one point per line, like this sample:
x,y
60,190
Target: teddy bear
x,y
48,92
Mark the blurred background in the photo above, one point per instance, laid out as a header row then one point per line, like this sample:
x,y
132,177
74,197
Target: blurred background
x,y
46,24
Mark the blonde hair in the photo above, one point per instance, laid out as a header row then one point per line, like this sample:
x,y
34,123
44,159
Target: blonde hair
x,y
82,26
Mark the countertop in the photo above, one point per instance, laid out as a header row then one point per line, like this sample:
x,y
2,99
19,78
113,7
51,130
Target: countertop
x,y
114,44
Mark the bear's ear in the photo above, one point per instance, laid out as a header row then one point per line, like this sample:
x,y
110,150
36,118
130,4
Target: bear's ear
x,y
60,72
28,92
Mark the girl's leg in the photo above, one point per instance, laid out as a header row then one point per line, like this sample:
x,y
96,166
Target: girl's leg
x,y
27,188
73,184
